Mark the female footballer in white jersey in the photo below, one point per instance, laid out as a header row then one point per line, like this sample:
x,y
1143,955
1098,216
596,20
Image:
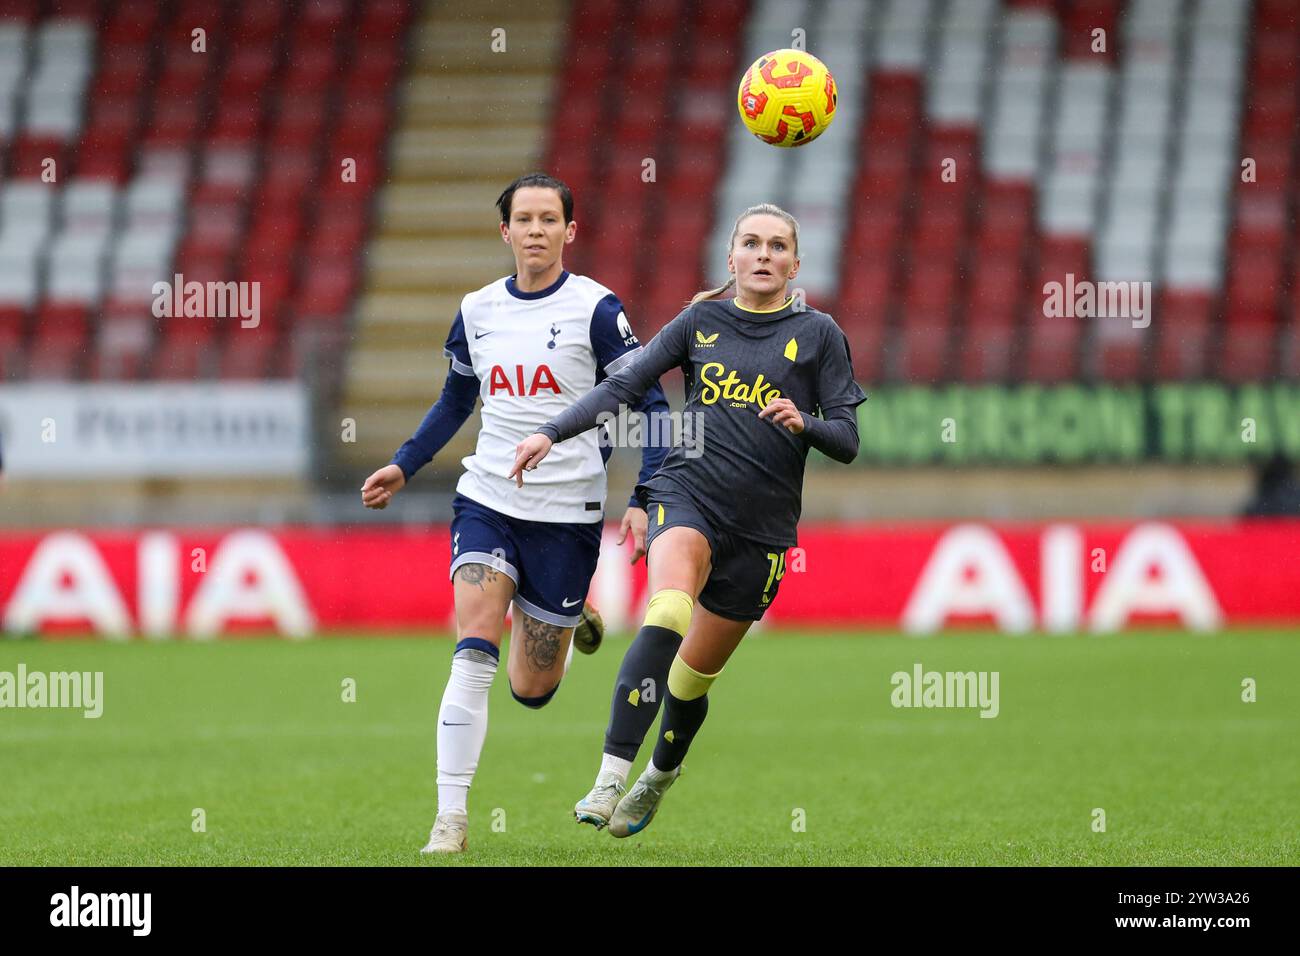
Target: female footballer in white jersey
x,y
528,345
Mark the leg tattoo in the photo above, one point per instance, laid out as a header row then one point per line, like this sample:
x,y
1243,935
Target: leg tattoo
x,y
477,574
541,643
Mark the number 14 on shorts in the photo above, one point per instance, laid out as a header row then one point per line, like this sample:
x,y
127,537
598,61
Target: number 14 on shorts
x,y
777,572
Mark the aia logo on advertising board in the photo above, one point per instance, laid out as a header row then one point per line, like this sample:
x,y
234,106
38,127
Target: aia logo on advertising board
x,y
970,572
70,579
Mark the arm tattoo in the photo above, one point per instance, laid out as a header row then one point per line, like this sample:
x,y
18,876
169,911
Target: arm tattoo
x,y
541,643
477,574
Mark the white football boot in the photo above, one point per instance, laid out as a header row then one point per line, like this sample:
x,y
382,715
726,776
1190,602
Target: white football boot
x,y
449,834
598,806
635,811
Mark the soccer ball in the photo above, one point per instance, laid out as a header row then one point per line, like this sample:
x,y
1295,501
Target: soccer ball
x,y
787,98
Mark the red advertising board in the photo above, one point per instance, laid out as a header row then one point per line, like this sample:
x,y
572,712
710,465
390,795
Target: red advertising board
x,y
914,577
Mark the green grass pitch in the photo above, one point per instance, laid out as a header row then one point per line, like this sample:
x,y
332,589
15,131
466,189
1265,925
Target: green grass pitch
x,y
1151,728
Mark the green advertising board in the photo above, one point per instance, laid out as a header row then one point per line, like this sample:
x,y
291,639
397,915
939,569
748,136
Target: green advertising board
x,y
1208,423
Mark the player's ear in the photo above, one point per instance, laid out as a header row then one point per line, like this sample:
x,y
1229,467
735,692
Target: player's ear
x,y
505,233
794,271
571,230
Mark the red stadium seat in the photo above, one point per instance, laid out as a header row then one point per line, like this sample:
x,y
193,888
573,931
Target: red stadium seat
x,y
931,285
866,345
180,357
321,21
1122,358
996,287
123,70
13,357
107,157
1079,22
310,66
869,286
199,264
1182,351
1249,349
13,321
923,345
596,18
131,22
619,275
328,286
372,69
260,20
23,10
29,155
122,348
1052,347
1256,280
248,71
660,19
940,227
175,121
246,356
299,121
382,19
59,343
987,352
238,120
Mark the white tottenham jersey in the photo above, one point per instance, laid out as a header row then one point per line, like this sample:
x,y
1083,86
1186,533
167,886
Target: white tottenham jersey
x,y
534,354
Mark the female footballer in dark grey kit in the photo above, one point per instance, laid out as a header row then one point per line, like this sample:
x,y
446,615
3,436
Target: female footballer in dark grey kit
x,y
756,368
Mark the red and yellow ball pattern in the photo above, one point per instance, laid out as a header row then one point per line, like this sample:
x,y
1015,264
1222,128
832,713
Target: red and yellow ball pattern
x,y
787,98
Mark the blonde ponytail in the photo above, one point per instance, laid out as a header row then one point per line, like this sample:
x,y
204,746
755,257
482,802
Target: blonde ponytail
x,y
762,209
713,293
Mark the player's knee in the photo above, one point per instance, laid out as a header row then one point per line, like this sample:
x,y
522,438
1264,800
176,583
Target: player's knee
x,y
534,696
670,608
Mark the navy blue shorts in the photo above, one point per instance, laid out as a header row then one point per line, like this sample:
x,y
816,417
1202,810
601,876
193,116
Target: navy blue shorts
x,y
550,563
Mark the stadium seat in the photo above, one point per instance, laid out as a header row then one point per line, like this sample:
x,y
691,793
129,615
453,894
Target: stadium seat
x,y
122,348
13,320
987,352
1183,334
1249,351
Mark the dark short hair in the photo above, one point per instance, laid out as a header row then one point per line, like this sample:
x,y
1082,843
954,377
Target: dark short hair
x,y
544,182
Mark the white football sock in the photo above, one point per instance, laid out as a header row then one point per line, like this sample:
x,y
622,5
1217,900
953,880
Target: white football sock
x,y
452,798
615,765
462,725
568,658
654,774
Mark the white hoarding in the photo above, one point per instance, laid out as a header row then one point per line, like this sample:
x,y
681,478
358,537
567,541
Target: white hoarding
x,y
153,429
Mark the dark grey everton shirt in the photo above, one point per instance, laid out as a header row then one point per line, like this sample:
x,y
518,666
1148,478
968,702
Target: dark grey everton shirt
x,y
743,471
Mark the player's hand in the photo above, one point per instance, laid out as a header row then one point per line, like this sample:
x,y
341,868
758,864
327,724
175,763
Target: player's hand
x,y
528,455
381,486
636,521
784,413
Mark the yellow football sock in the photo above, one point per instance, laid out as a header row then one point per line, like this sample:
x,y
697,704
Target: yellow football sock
x,y
686,683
